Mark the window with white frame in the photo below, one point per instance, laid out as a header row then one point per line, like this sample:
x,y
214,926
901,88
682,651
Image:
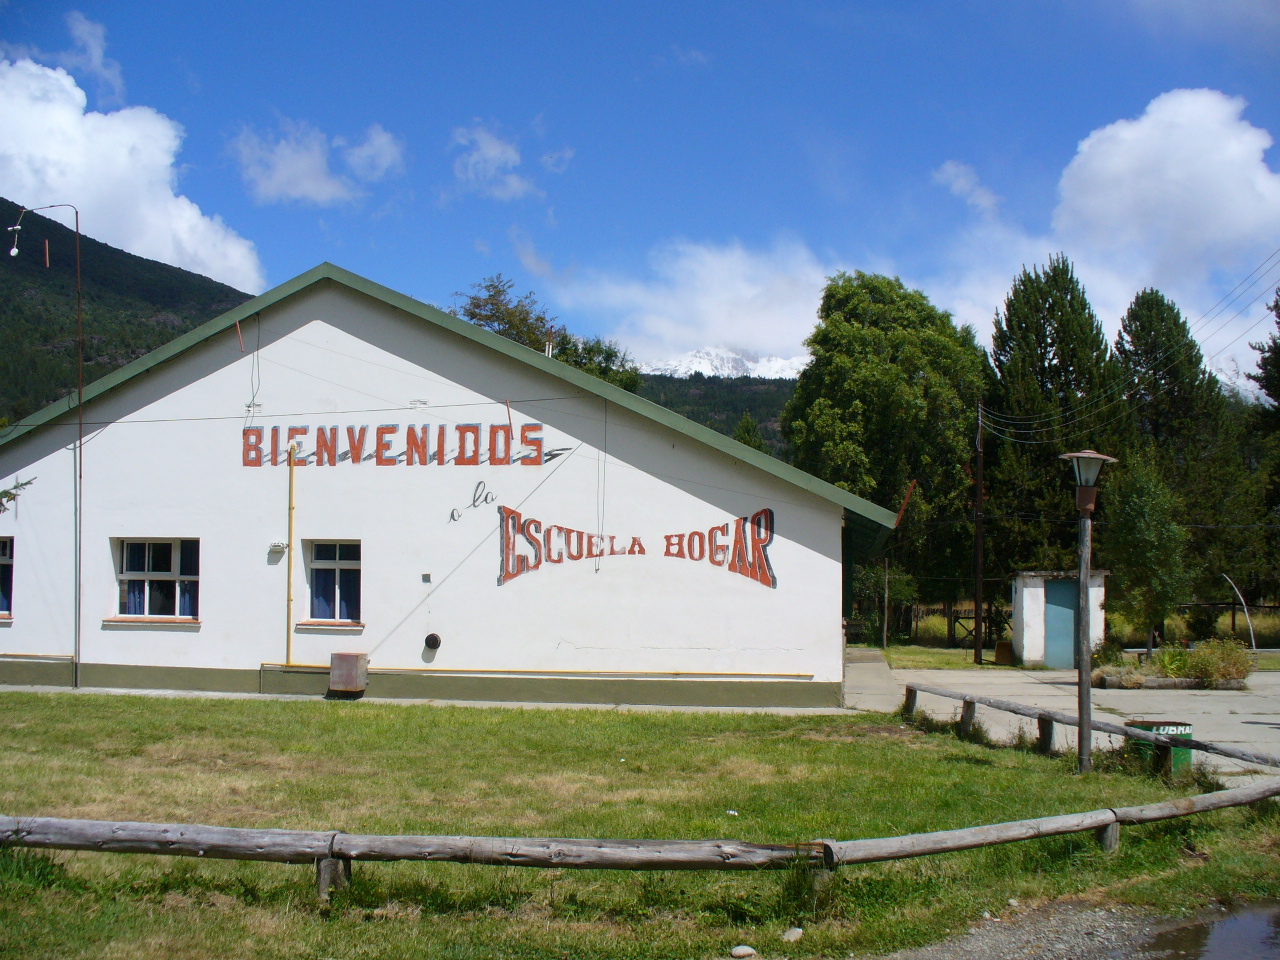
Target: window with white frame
x,y
159,578
6,576
335,580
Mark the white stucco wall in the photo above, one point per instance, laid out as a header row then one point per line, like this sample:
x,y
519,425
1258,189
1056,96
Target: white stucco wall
x,y
163,459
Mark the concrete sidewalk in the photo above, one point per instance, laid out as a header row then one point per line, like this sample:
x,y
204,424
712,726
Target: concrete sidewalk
x,y
869,684
1248,719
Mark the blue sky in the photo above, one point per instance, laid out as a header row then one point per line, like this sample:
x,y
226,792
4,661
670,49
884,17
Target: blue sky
x,y
673,175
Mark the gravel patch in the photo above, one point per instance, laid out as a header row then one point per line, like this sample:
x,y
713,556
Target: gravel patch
x,y
1056,931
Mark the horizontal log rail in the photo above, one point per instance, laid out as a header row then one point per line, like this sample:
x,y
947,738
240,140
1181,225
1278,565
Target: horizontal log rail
x,y
330,848
1099,726
302,846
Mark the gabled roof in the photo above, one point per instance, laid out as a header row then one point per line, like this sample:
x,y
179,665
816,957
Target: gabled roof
x,y
868,524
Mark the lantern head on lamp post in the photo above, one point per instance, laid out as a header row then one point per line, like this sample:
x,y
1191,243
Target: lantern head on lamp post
x,y
1087,465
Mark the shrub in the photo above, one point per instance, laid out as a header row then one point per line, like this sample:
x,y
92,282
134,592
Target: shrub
x,y
1171,662
1215,660
1111,653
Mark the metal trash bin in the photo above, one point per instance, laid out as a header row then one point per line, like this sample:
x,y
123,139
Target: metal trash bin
x,y
1168,761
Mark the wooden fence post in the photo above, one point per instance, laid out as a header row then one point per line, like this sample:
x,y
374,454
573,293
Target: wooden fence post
x,y
1044,735
332,873
967,714
909,704
1109,837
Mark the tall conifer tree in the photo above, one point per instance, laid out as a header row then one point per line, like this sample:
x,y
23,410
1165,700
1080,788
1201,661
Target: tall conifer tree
x,y
1057,389
1196,436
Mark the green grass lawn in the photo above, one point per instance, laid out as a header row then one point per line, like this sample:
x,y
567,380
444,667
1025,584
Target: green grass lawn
x,y
1268,660
390,768
908,657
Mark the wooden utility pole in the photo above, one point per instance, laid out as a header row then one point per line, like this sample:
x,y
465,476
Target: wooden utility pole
x,y
884,626
977,547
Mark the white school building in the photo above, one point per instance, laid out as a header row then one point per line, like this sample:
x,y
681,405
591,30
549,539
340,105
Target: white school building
x,y
335,467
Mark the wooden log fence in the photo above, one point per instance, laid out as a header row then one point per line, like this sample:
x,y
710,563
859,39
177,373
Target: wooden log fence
x,y
1046,718
333,851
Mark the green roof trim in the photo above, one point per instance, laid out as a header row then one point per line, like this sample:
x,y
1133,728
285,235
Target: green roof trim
x,y
871,524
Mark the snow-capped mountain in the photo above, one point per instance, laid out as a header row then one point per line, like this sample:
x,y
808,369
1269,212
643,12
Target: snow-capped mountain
x,y
722,362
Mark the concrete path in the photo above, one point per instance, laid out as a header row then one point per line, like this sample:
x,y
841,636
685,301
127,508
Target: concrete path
x,y
869,684
1248,719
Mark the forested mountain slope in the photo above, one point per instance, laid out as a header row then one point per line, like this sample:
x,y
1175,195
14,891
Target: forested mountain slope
x,y
131,306
720,402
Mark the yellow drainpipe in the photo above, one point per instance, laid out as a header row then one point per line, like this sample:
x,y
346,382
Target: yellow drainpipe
x,y
288,616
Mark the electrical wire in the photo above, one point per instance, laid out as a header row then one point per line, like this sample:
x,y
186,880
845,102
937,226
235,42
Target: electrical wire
x,y
1062,434
1083,413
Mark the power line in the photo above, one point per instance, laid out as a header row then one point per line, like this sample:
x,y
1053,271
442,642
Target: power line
x,y
1262,270
1083,414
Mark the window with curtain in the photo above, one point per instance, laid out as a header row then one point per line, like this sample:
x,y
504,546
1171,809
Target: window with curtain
x,y
159,578
6,576
334,568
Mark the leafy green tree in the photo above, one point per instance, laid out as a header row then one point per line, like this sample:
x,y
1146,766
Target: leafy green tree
x,y
490,305
600,358
889,397
748,432
524,320
1145,547
1056,389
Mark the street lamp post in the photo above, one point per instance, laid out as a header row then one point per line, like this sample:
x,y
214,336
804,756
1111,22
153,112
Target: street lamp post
x,y
78,506
1087,465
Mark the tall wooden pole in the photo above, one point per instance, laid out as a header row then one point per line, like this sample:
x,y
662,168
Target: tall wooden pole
x,y
884,624
1084,649
75,679
977,547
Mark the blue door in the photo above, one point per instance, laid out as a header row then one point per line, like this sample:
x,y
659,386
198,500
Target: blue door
x,y
1060,599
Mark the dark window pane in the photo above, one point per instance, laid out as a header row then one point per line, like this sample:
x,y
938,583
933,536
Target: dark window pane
x,y
135,557
188,598
6,588
6,549
325,552
189,558
161,558
322,594
133,598
349,594
163,599
348,551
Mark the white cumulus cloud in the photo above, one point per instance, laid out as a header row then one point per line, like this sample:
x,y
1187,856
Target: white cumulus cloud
x,y
962,180
293,163
88,57
488,165
380,154
1250,21
1180,198
1179,192
119,168
708,294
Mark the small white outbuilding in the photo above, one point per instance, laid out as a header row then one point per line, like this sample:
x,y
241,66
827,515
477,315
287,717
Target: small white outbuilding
x,y
1045,604
335,467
